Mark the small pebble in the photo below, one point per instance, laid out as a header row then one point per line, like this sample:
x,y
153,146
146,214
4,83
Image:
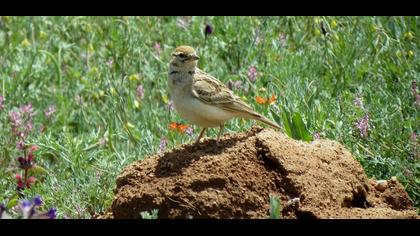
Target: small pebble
x,y
381,185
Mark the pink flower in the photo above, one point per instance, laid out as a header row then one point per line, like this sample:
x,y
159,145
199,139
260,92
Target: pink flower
x,y
363,126
140,91
162,144
316,135
413,137
1,102
50,110
252,73
158,49
358,101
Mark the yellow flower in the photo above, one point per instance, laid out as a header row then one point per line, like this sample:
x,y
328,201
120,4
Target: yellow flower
x,y
25,43
90,48
317,20
112,91
42,35
101,93
165,99
409,35
262,90
317,32
128,125
136,104
134,77
410,54
93,71
333,24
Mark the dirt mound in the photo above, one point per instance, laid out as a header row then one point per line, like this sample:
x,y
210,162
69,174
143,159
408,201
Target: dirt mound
x,y
234,180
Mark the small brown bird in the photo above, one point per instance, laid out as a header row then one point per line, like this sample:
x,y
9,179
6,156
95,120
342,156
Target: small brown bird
x,y
202,99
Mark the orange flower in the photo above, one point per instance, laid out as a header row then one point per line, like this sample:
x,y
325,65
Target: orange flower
x,y
266,101
178,127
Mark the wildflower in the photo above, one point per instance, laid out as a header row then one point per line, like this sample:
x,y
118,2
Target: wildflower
x,y
50,111
413,137
162,144
234,84
25,43
1,102
140,91
410,54
52,213
189,131
158,49
282,38
316,135
252,73
208,30
178,127
363,126
333,24
409,35
358,101
134,77
266,101
37,201
42,35
110,63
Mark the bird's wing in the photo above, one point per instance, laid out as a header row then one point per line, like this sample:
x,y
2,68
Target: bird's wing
x,y
211,91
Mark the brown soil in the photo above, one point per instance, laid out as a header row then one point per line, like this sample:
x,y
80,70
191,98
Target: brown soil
x,y
236,178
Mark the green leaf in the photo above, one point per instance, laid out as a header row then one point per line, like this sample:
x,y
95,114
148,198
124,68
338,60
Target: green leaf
x,y
13,201
36,169
275,211
286,122
300,128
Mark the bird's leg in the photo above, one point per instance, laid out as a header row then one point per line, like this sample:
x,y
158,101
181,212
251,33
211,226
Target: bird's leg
x,y
220,133
199,136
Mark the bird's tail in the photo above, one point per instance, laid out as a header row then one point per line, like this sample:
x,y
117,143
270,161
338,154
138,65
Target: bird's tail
x,y
264,119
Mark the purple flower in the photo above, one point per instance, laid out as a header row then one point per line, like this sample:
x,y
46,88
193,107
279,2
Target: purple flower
x,y
252,73
158,49
28,109
316,135
162,144
140,91
358,101
208,30
38,201
189,131
234,84
102,141
1,102
20,145
282,38
110,63
413,137
52,213
50,110
363,126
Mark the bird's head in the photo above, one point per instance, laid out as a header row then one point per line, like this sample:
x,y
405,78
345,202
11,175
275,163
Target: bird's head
x,y
184,57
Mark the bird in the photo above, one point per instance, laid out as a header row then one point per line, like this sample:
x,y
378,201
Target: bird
x,y
202,99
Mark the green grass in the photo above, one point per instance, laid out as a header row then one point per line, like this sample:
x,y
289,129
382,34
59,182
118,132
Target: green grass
x,y
62,61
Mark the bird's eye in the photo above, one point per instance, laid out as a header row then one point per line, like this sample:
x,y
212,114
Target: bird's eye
x,y
181,55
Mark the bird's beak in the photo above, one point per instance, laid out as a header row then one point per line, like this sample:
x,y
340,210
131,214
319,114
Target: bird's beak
x,y
194,57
